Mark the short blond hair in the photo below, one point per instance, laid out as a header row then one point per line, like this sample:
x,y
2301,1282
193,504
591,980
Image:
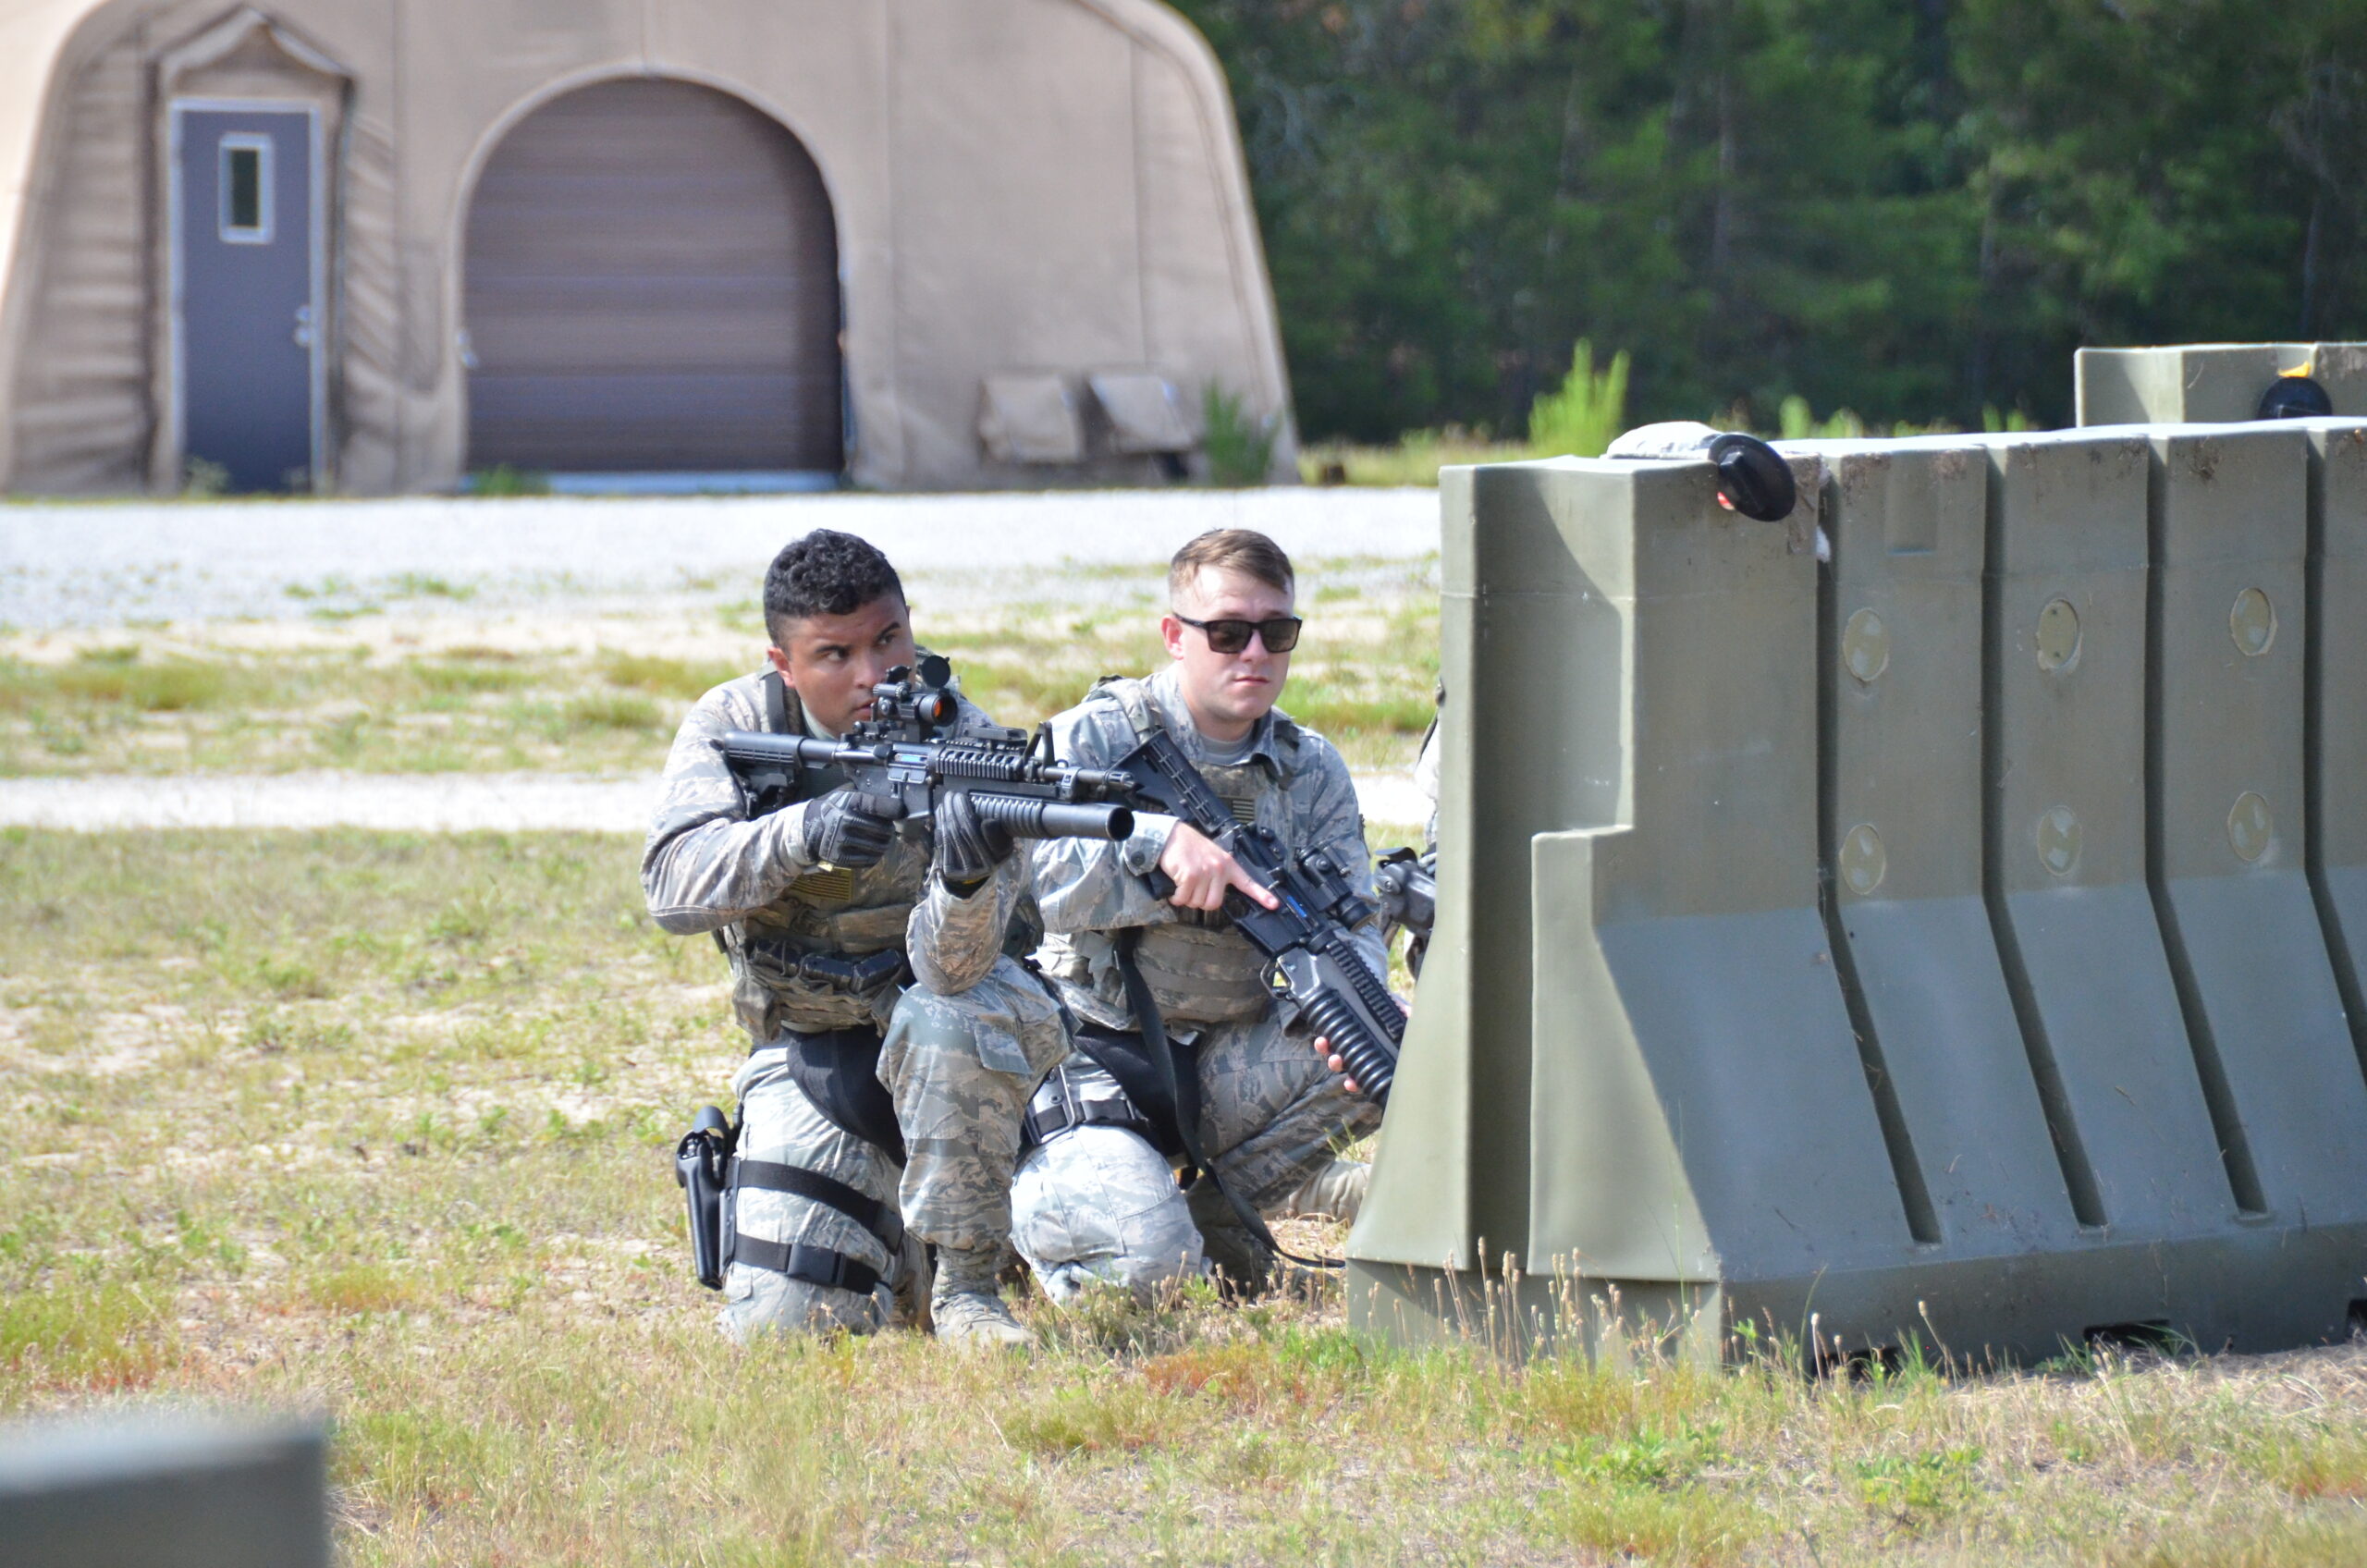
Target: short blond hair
x,y
1231,549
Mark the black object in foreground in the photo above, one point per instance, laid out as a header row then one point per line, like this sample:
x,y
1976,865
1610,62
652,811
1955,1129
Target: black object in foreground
x,y
1311,965
914,749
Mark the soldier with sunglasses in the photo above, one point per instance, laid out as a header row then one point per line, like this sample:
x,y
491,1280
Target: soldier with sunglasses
x,y
1096,1196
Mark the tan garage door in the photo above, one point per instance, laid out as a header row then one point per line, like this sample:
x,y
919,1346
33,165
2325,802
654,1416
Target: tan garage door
x,y
652,284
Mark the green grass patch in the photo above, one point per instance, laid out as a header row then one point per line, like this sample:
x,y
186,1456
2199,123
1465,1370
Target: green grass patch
x,y
664,677
348,701
74,1333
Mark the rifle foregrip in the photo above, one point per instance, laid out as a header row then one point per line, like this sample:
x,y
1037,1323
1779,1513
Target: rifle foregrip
x,y
1024,818
1372,1064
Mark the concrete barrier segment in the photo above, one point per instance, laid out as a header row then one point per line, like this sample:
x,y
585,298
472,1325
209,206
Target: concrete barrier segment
x,y
1629,797
2210,383
2335,685
2227,855
1901,788
2063,831
1802,967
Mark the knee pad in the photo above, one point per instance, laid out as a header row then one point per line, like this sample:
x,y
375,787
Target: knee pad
x,y
1097,1203
758,1300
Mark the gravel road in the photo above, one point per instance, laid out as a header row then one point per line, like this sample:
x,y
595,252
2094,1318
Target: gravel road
x,y
99,565
106,564
416,802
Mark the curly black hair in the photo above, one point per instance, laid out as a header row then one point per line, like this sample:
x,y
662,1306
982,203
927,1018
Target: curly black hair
x,y
826,573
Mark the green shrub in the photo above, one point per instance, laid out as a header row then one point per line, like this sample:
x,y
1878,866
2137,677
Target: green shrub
x,y
1587,413
501,481
1797,421
1239,448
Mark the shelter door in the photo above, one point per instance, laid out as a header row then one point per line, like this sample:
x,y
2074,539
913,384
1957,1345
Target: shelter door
x,y
651,284
247,292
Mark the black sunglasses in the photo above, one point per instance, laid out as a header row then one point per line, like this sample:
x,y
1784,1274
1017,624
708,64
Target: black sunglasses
x,y
1281,634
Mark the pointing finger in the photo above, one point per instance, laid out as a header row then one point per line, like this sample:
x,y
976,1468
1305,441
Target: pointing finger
x,y
1242,879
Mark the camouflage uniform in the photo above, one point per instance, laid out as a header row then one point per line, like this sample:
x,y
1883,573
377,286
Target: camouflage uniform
x,y
708,868
1271,1112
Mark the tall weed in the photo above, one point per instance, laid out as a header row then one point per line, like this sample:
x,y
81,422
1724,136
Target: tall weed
x,y
1585,413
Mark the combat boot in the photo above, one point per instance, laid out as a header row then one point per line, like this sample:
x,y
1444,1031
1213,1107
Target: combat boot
x,y
915,1277
1337,1191
965,1303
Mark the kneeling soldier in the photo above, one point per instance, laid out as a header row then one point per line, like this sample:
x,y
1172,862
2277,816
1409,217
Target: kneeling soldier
x,y
821,907
1096,1197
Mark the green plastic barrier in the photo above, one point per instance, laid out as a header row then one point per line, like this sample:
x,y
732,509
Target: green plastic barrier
x,y
1836,953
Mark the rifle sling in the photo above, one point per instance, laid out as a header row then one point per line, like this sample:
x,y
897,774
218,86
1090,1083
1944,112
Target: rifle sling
x,y
1162,1053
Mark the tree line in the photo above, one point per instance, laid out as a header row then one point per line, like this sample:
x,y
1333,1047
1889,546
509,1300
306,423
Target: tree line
x,y
1912,208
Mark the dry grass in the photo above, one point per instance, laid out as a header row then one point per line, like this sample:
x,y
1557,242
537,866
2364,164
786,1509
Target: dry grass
x,y
540,686
380,1122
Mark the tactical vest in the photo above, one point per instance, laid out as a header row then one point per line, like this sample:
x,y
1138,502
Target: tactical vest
x,y
1199,968
835,914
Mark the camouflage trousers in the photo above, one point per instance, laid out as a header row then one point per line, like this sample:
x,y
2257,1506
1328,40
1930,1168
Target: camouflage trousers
x,y
780,1124
960,1069
1096,1203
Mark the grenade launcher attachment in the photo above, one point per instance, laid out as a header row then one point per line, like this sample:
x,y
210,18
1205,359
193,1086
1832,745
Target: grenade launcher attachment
x,y
1311,967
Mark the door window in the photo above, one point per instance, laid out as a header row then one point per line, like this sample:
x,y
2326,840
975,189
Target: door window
x,y
246,189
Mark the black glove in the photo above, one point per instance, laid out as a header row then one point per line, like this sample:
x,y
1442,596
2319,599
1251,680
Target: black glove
x,y
968,846
848,827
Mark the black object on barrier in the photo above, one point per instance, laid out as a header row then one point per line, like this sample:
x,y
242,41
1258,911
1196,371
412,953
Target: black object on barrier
x,y
2295,396
1753,478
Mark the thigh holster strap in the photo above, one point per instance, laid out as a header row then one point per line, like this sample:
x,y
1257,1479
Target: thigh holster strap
x,y
878,1218
814,1266
1054,1115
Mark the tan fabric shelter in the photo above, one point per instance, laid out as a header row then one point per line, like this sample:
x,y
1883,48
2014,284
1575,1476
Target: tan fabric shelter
x,y
701,235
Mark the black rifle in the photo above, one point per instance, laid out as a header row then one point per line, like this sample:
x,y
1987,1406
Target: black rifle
x,y
1311,967
915,748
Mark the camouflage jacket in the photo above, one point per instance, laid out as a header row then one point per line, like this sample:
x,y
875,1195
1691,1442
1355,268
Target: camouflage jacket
x,y
708,866
1199,970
